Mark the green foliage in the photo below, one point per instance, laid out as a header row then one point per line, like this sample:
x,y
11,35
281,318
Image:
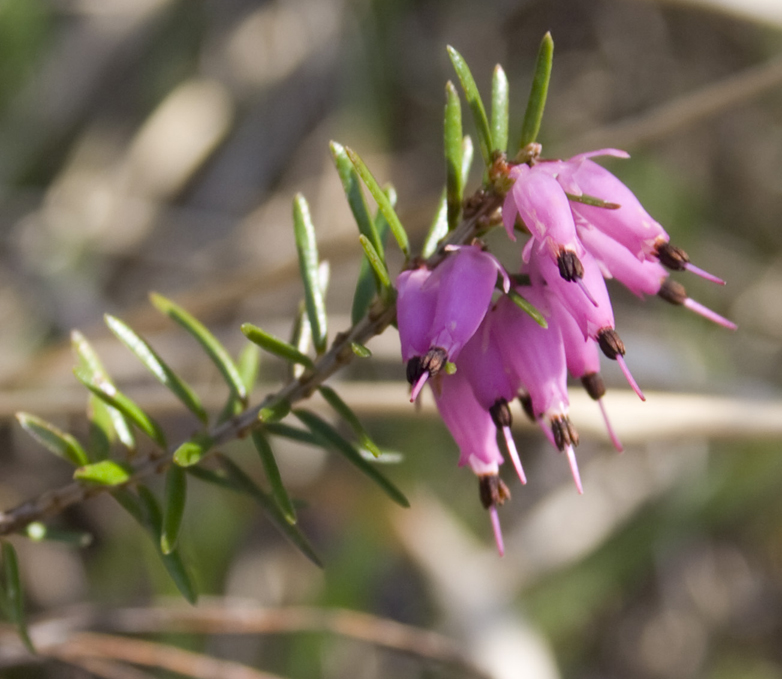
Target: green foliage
x,y
344,411
274,345
499,110
279,493
244,483
173,508
383,201
452,143
329,437
103,428
538,93
12,594
190,452
150,359
213,348
108,393
105,473
53,439
307,247
528,308
475,103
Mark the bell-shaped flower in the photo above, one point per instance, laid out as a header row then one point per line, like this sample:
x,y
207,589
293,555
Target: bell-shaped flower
x,y
583,360
474,432
493,383
537,356
590,306
541,204
438,315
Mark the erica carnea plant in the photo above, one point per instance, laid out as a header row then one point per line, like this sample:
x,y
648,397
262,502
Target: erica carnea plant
x,y
477,334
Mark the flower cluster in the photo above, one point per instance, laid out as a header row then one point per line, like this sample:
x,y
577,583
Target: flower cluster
x,y
479,349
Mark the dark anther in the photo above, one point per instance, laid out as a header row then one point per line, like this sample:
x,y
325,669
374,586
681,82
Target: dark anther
x,y
610,342
594,385
526,405
500,414
673,292
493,490
565,433
414,369
570,266
672,257
435,360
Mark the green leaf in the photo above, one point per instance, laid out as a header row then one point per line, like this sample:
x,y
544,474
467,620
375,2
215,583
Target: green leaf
x,y
453,154
190,452
537,96
173,508
116,399
279,493
270,508
89,360
214,349
331,438
475,103
292,433
591,200
383,202
14,595
274,411
102,432
527,307
499,110
438,229
172,561
38,532
248,366
375,262
358,205
274,345
215,478
345,412
132,505
105,473
368,282
360,350
149,357
307,248
53,439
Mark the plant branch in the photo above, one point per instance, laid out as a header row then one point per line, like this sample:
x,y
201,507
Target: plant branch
x,y
380,316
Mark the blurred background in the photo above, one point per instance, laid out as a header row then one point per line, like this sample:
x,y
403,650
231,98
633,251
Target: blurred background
x,y
157,145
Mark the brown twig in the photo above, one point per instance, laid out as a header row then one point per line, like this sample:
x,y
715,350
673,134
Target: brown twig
x,y
90,645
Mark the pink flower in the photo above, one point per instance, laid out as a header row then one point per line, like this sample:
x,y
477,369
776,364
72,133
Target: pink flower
x,y
541,204
537,357
438,312
474,432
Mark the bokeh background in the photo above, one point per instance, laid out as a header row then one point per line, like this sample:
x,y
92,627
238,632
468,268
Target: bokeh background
x,y
157,145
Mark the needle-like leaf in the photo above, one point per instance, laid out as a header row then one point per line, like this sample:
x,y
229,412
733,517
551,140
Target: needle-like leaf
x,y
272,511
107,392
538,93
173,507
499,110
527,307
214,349
149,357
307,247
345,412
331,438
275,345
279,493
475,103
382,200
453,154
105,473
14,595
53,439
